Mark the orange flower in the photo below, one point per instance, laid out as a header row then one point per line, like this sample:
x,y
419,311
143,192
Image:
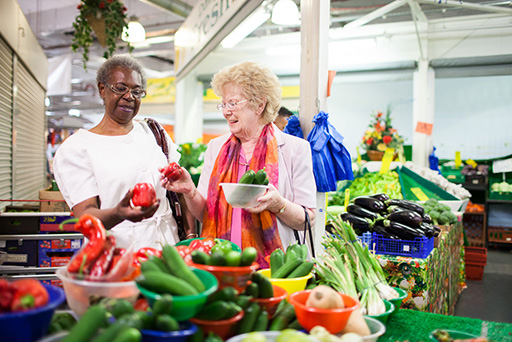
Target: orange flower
x,y
369,141
379,114
378,127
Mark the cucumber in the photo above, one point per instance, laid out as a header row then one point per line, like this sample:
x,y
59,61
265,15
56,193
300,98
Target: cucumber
x,y
213,337
128,335
288,268
214,311
294,325
261,323
248,256
163,305
276,261
166,323
150,265
264,285
227,294
293,252
110,333
247,322
243,301
200,257
117,306
88,325
284,317
233,310
161,283
304,249
260,177
302,270
180,269
247,177
252,290
160,263
217,259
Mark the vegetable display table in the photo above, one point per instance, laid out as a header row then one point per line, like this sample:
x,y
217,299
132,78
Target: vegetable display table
x,y
410,325
433,283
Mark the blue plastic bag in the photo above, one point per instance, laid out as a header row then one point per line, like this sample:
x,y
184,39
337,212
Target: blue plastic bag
x,y
293,127
331,160
434,161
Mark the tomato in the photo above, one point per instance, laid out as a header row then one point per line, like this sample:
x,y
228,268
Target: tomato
x,y
144,195
172,172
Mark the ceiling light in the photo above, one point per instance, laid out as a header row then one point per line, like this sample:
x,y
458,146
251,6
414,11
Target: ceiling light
x,y
74,112
246,27
135,33
285,12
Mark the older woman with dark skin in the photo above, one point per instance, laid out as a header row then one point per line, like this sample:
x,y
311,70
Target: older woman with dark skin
x,y
97,169
251,97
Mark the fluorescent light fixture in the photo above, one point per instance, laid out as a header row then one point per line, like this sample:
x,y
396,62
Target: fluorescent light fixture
x,y
46,101
135,33
285,12
74,112
246,27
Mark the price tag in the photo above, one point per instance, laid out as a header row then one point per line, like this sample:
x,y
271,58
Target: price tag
x,y
347,197
504,165
420,195
358,156
424,127
387,159
458,161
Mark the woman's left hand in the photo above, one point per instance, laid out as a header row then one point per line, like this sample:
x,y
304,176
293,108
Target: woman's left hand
x,y
271,201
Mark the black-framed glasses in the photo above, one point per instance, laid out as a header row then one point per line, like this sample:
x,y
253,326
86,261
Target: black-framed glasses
x,y
121,89
230,105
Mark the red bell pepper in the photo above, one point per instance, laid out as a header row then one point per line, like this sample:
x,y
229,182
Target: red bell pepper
x,y
93,229
143,254
198,244
184,252
208,243
101,266
172,172
144,195
6,295
28,293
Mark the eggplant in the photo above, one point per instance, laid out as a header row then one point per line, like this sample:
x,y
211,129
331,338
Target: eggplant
x,y
407,205
395,208
402,231
407,217
426,218
360,224
371,204
427,229
378,229
362,212
381,197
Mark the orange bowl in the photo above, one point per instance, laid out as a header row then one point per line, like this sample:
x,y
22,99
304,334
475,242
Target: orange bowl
x,y
270,304
334,320
224,328
236,277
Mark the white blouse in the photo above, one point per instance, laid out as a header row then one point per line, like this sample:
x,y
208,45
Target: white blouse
x,y
89,165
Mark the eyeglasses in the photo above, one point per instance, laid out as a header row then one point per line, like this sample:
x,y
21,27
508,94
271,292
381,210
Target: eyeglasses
x,y
121,89
230,105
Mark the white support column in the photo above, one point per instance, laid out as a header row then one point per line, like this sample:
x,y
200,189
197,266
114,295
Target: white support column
x,y
313,82
188,120
423,111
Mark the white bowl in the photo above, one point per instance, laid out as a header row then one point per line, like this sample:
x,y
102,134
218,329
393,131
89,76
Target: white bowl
x,y
376,327
243,195
270,336
80,294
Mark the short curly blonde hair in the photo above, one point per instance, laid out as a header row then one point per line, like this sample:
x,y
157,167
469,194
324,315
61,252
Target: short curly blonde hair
x,y
257,83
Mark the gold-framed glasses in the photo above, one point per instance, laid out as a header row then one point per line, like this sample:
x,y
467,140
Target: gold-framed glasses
x,y
121,89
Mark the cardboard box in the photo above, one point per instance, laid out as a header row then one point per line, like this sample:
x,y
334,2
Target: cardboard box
x,y
19,252
55,202
52,224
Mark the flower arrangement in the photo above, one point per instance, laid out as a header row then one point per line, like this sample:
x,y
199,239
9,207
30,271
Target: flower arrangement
x,y
192,157
381,134
107,18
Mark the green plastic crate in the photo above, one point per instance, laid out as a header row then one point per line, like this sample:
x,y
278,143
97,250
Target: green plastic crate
x,y
498,178
410,179
453,174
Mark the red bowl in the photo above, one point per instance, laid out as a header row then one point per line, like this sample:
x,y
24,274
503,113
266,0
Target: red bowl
x,y
236,277
334,320
224,328
270,304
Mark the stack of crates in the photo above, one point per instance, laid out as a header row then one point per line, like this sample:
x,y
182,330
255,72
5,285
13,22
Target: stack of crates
x,y
475,259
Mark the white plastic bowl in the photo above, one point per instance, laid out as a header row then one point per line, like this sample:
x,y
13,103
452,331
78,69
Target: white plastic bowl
x,y
377,329
80,294
243,195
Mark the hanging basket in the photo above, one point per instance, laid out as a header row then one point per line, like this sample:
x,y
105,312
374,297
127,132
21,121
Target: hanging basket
x,y
375,155
98,26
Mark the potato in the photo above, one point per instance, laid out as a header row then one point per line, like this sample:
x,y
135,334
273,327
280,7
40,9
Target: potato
x,y
324,297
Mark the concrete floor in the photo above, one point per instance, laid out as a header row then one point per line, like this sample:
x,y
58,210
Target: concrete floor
x,y
491,298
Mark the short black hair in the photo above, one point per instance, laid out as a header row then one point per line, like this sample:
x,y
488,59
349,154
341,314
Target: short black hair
x,y
283,111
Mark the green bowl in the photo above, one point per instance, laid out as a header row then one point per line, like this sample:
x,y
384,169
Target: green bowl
x,y
188,241
186,307
456,335
383,317
397,302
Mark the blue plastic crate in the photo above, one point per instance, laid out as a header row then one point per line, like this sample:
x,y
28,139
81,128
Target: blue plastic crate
x,y
366,238
417,248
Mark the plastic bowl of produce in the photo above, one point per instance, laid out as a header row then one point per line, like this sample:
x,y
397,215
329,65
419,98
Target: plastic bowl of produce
x,y
241,195
383,317
290,285
334,320
397,302
186,307
377,329
187,242
236,276
187,329
80,294
224,328
270,304
272,336
453,334
30,325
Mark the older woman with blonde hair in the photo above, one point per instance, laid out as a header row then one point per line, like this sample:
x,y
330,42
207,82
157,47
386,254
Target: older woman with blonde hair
x,y
251,98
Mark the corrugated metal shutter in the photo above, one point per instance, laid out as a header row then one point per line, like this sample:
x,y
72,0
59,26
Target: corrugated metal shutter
x,y
5,122
29,140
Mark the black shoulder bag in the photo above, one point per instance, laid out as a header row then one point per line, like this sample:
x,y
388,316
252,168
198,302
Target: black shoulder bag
x,y
307,228
174,202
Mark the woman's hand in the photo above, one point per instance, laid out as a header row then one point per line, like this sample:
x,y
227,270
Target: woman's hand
x,y
271,201
135,214
183,185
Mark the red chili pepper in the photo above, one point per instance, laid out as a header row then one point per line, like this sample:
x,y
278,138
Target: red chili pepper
x,y
172,172
143,254
93,229
29,293
100,267
144,195
141,304
6,295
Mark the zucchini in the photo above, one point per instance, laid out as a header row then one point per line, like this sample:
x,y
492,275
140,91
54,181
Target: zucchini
x,y
288,268
165,283
180,269
88,325
304,249
248,321
214,311
261,323
302,270
276,261
283,317
293,252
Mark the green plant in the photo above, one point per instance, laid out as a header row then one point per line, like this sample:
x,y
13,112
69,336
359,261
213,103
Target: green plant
x,y
381,134
112,12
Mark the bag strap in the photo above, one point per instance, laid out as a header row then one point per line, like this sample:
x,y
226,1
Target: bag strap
x,y
159,133
307,228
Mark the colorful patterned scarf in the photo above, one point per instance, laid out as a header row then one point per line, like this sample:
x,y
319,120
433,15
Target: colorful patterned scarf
x,y
258,230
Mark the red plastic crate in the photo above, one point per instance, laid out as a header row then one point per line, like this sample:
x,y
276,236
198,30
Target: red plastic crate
x,y
475,254
475,270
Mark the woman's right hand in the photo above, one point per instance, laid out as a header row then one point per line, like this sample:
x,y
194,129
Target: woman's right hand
x,y
135,214
184,185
